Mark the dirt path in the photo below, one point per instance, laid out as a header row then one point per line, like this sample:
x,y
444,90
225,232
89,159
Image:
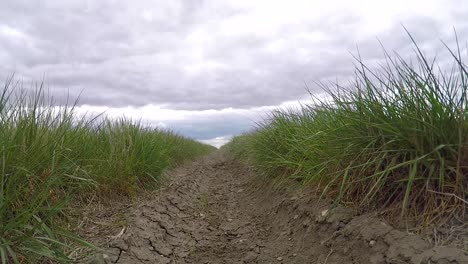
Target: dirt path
x,y
214,211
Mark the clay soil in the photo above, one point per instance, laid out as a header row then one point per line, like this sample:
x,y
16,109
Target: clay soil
x,y
215,210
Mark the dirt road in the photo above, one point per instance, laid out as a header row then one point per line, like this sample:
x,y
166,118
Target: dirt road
x,y
215,211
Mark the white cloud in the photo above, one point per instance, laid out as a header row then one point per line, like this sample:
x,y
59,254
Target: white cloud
x,y
213,126
156,113
11,32
217,141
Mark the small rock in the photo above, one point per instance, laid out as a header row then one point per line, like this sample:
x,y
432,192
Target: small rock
x,y
336,226
324,213
98,259
294,255
339,214
296,217
249,257
119,243
279,258
372,243
229,220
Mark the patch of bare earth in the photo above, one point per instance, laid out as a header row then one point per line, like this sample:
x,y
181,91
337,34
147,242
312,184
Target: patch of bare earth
x,y
215,211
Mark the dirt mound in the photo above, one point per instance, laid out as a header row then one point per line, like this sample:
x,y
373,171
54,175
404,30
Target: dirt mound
x,y
215,211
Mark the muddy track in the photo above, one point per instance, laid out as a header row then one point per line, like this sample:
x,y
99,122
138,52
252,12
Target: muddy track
x,y
215,211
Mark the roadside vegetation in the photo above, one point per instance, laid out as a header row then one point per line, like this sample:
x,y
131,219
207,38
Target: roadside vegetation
x,y
395,140
50,156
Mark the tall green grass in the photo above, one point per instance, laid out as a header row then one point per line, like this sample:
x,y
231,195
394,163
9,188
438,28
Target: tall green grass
x,y
49,155
395,140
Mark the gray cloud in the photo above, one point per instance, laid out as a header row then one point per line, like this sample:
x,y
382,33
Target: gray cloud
x,y
201,54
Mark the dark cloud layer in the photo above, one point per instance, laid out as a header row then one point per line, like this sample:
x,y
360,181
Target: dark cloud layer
x,y
206,54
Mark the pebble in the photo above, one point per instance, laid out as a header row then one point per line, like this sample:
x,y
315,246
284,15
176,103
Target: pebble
x,y
372,243
324,213
296,217
279,258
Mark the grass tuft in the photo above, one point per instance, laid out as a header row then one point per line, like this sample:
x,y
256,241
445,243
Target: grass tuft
x,y
49,155
395,140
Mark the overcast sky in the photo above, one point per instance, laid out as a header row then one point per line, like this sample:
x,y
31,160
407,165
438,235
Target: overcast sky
x,y
207,69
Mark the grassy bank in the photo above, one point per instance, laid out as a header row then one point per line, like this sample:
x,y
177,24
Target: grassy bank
x,y
395,140
49,156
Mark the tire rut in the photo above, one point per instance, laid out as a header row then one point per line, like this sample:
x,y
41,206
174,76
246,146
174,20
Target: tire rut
x,y
214,211
196,218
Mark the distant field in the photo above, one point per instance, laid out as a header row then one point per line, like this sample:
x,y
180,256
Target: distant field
x,y
395,140
50,156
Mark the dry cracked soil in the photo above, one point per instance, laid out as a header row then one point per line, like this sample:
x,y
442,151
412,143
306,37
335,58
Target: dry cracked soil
x,y
214,210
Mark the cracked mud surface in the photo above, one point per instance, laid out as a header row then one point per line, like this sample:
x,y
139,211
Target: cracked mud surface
x,y
215,211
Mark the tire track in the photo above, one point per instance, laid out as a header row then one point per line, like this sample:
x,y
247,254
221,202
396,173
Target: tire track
x,y
215,211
